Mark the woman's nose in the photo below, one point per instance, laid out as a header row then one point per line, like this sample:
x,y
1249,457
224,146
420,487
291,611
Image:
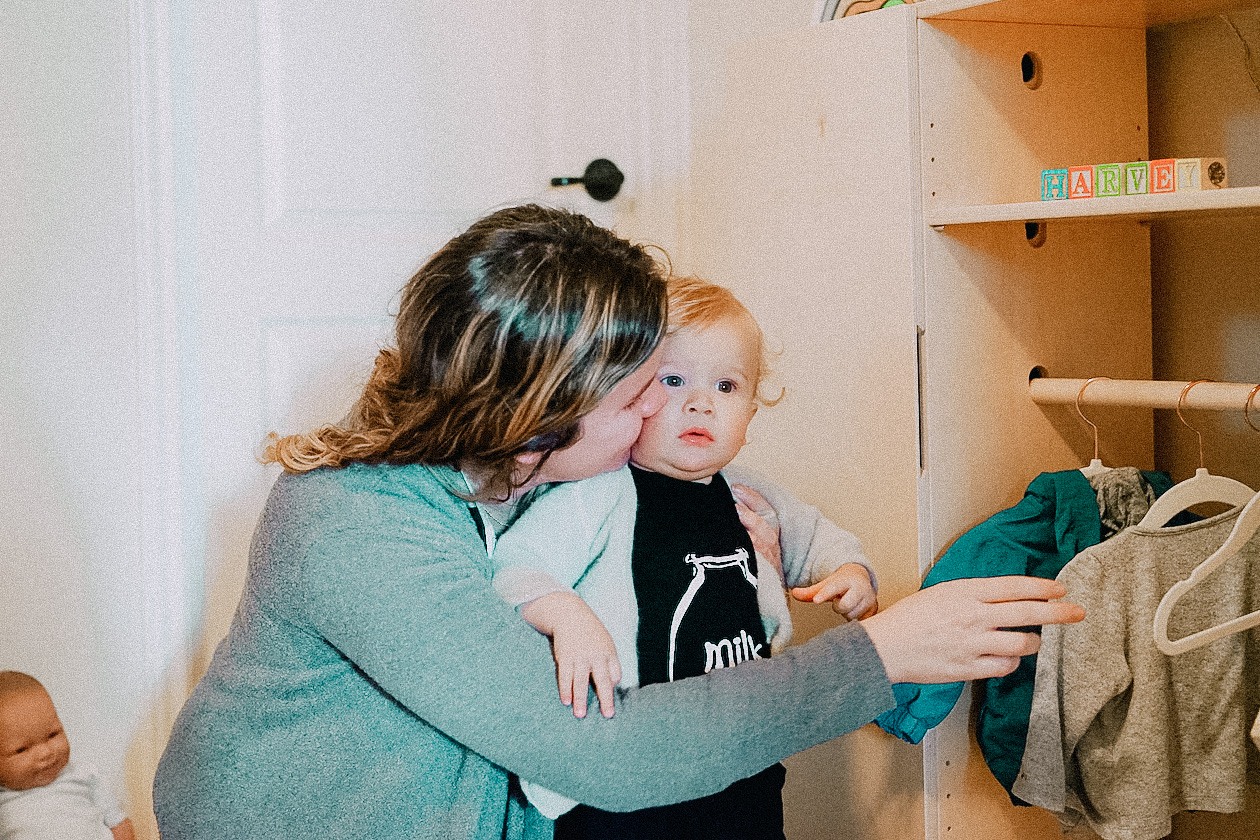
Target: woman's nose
x,y
653,399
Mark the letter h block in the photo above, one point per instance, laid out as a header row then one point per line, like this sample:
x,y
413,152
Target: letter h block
x,y
1054,184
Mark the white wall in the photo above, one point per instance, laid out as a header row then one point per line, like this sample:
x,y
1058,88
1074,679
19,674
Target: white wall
x,y
72,411
167,225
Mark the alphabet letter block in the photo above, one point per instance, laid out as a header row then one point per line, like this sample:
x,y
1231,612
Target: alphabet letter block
x,y
1080,182
1201,174
1137,177
1054,184
1163,176
1108,180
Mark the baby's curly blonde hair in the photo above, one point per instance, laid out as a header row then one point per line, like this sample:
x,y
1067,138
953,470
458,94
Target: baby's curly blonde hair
x,y
695,303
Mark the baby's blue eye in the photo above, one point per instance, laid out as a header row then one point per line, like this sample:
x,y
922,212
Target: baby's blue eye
x,y
672,380
726,386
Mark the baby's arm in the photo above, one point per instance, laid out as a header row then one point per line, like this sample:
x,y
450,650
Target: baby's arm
x,y
554,546
582,647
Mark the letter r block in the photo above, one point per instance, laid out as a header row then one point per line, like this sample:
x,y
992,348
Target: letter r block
x,y
1054,184
1080,182
1108,180
1163,176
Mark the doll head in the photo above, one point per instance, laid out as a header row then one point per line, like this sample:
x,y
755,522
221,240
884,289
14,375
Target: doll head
x,y
33,744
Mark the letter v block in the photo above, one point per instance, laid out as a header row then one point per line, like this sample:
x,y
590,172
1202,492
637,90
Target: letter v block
x,y
1137,177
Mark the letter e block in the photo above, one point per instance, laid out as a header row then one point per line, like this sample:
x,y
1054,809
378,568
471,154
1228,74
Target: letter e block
x,y
1201,174
1080,182
1108,180
1163,176
1137,177
1054,184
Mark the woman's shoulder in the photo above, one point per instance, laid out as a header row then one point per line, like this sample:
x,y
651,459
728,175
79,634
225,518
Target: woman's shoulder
x,y
359,489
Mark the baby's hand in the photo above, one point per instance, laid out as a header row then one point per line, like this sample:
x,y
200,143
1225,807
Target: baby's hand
x,y
583,650
848,587
762,524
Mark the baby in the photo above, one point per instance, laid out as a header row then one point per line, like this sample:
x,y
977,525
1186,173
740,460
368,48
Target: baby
x,y
42,795
647,575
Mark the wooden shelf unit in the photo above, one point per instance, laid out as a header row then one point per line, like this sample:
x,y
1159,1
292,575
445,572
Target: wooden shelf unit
x,y
862,186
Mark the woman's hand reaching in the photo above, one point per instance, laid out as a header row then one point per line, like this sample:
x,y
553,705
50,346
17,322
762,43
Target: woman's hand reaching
x,y
958,630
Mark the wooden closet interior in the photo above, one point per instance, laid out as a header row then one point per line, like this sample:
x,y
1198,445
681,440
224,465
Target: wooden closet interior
x,y
870,186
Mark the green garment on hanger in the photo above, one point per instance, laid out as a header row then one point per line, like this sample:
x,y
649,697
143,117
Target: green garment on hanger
x,y
1057,518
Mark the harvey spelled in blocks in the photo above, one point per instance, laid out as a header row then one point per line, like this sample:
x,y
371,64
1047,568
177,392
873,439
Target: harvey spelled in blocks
x,y
1054,184
1200,173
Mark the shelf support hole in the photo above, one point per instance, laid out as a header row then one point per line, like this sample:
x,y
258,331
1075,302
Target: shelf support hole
x,y
1030,70
1035,233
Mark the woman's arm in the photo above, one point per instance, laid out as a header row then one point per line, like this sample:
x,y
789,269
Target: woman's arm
x,y
395,585
396,580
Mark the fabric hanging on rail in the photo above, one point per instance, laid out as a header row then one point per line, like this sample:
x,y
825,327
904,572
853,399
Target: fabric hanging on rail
x,y
1061,514
1121,735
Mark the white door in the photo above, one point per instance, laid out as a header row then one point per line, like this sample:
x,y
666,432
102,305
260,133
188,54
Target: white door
x,y
333,147
253,182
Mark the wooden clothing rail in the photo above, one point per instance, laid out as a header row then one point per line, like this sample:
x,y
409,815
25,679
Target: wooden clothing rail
x,y
1141,393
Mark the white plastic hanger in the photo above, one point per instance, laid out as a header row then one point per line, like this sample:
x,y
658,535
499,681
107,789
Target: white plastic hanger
x,y
1095,466
1246,526
1200,488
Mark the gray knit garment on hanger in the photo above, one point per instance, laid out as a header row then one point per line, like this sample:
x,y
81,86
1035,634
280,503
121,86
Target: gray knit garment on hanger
x,y
1124,497
1122,735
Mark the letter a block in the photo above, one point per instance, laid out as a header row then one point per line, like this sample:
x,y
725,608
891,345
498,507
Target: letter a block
x,y
1163,176
1201,174
1054,184
1108,180
1080,182
1137,177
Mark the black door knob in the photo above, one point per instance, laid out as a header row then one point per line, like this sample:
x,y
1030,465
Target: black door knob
x,y
602,179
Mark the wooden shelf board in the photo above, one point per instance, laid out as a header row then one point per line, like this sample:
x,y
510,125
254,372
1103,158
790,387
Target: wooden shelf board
x,y
1232,201
1115,13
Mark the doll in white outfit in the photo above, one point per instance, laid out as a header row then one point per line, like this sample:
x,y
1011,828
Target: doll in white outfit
x,y
43,795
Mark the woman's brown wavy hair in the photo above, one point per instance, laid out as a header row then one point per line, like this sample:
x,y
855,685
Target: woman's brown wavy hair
x,y
505,338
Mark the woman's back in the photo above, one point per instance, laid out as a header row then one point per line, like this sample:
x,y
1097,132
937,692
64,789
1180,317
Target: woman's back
x,y
285,737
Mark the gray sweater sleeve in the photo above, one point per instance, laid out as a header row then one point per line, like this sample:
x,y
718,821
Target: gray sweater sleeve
x,y
395,578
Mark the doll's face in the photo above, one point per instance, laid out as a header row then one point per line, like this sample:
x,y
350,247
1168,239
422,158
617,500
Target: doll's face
x,y
33,745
